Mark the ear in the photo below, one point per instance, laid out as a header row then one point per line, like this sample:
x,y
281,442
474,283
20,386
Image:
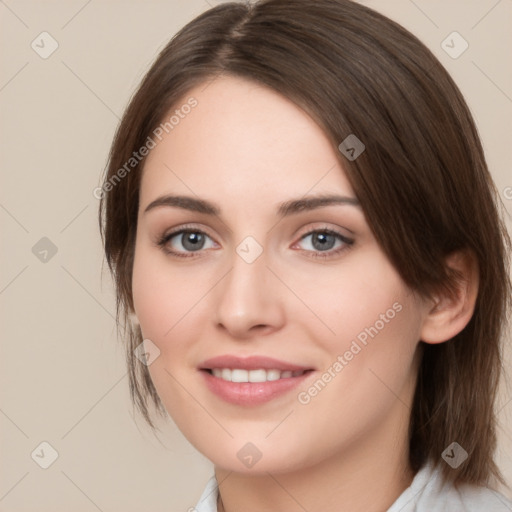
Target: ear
x,y
134,320
448,314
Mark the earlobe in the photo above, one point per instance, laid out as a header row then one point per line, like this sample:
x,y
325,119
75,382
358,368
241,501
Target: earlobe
x,y
448,314
134,320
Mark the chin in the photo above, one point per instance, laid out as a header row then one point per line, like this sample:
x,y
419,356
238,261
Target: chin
x,y
255,459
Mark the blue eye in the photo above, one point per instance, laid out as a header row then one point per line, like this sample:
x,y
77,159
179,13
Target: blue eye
x,y
323,241
191,240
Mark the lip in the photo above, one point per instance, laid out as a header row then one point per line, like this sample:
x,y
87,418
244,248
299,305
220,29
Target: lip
x,y
250,363
251,393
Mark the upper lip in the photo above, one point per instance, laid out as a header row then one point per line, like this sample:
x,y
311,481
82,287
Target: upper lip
x,y
250,363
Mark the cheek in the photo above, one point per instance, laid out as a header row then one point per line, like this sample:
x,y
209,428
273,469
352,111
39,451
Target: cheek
x,y
362,295
374,322
369,373
150,299
372,355
157,296
163,303
170,304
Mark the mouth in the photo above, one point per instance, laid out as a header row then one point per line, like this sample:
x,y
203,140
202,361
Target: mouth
x,y
258,375
253,380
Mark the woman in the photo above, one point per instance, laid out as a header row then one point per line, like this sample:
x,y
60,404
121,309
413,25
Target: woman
x,y
298,215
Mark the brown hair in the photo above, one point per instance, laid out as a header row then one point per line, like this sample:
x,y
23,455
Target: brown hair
x,y
422,181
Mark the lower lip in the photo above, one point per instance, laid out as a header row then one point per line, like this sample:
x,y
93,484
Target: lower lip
x,y
251,393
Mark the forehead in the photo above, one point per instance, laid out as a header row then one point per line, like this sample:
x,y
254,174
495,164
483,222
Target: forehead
x,y
242,137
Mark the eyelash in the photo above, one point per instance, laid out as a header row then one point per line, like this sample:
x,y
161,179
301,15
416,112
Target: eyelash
x,y
164,239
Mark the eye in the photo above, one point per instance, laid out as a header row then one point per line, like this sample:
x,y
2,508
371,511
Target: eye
x,y
322,243
184,242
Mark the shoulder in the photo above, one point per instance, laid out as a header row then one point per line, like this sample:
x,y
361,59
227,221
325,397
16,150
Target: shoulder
x,y
208,500
429,493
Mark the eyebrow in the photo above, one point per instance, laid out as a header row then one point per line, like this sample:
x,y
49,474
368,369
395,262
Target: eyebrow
x,y
285,209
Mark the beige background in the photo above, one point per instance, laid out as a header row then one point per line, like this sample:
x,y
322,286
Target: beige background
x,y
62,371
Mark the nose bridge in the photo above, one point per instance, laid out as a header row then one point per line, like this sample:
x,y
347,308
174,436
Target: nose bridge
x,y
248,297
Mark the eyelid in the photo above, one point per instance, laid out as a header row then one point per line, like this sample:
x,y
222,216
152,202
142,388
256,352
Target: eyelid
x,y
187,227
323,226
347,242
165,238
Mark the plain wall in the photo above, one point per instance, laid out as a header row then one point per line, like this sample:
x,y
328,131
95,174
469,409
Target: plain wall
x,y
62,371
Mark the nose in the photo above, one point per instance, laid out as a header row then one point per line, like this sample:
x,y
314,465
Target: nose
x,y
249,299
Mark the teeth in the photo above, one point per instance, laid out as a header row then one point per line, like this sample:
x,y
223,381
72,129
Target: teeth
x,y
256,376
261,375
273,374
239,375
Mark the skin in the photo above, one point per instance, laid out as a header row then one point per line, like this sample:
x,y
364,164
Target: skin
x,y
248,149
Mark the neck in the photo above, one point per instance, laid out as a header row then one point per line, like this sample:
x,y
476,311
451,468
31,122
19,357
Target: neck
x,y
366,476
373,491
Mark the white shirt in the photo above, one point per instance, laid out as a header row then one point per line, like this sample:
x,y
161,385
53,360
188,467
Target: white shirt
x,y
427,493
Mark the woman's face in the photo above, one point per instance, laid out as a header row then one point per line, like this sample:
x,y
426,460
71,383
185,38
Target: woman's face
x,y
295,295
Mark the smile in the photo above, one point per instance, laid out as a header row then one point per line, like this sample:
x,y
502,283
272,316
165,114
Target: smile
x,y
259,375
252,380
